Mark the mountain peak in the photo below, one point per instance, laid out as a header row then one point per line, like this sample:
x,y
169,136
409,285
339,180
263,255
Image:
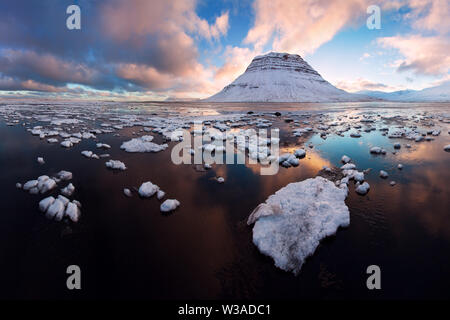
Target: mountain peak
x,y
281,77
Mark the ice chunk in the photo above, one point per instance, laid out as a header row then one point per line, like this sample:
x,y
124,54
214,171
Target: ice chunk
x,y
103,146
160,194
127,192
375,150
47,185
30,184
66,144
383,174
44,204
55,208
142,144
400,166
18,185
220,180
169,205
64,175
392,183
345,159
68,190
290,224
72,211
40,160
300,153
362,188
348,166
447,148
87,154
116,165
148,189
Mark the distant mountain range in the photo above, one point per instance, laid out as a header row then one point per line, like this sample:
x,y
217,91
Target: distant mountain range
x,y
283,77
439,93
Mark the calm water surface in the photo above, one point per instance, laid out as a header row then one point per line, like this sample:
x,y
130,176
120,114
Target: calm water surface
x,y
127,249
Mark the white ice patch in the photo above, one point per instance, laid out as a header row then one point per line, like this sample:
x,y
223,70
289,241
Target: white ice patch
x,y
148,189
142,144
291,223
115,165
169,205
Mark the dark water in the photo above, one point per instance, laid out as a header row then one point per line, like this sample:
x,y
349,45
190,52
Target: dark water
x,y
126,248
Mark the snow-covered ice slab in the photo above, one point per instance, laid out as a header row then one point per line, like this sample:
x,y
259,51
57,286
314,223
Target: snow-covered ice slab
x,y
142,144
115,165
169,205
290,224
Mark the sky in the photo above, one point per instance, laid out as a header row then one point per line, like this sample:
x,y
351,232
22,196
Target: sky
x,y
178,49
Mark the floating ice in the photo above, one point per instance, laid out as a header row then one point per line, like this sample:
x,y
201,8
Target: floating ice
x,y
362,188
345,159
30,184
64,175
348,166
148,189
103,146
220,180
400,166
45,203
290,224
40,160
142,144
66,144
56,208
127,192
169,205
87,154
383,174
376,150
160,194
116,165
447,148
300,153
68,190
392,183
72,211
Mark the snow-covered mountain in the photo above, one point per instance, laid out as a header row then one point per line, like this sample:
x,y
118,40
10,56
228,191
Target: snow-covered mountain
x,y
282,77
439,93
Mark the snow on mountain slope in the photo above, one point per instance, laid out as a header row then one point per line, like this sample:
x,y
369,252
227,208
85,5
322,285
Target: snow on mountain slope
x,y
282,77
439,93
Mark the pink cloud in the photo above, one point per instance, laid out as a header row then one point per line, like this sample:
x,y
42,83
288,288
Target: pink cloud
x,y
301,26
424,55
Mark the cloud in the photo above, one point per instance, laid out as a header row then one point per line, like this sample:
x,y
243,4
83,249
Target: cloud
x,y
364,84
422,55
301,26
118,39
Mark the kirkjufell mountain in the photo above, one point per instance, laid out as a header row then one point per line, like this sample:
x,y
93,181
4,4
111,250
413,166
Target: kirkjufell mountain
x,y
282,77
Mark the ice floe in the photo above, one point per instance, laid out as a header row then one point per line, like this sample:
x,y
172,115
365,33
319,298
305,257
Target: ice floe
x,y
116,165
383,174
169,205
148,189
362,188
68,190
290,224
142,144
